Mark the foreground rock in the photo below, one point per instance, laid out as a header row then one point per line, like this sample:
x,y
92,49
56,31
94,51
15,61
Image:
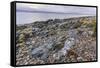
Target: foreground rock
x,y
56,41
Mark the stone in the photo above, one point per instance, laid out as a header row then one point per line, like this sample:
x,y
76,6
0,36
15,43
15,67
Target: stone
x,y
90,32
55,41
79,58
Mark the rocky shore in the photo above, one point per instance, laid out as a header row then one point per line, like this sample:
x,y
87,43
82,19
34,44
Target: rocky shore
x,y
56,41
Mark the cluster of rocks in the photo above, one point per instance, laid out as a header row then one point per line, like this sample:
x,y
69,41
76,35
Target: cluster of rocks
x,y
56,41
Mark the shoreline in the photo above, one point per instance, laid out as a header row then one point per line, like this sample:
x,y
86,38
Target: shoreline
x,y
57,18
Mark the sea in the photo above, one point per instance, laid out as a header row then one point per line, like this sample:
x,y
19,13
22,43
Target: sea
x,y
29,17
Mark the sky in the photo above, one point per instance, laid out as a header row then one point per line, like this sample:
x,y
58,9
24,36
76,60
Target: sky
x,y
54,8
29,13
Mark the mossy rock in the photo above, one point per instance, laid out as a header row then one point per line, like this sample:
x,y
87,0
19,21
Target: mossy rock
x,y
27,32
21,38
94,27
21,44
91,25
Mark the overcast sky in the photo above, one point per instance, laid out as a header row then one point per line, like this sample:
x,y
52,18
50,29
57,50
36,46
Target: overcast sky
x,y
28,13
23,7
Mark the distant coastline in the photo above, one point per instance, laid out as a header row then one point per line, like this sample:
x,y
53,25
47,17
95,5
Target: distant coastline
x,y
57,18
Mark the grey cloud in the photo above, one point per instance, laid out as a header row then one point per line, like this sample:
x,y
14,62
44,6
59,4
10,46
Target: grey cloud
x,y
57,9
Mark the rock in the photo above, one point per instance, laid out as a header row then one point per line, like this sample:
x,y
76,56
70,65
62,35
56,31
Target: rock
x,y
55,41
42,51
17,35
85,34
90,32
33,41
69,42
79,58
56,56
43,33
67,45
28,43
72,33
35,31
